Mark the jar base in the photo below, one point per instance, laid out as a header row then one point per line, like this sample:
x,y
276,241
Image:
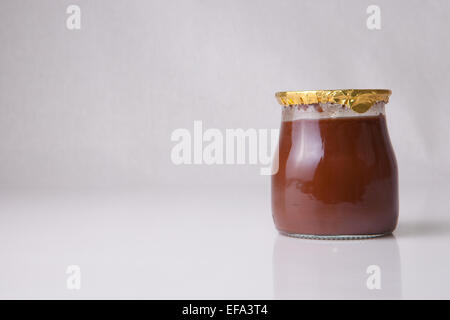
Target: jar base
x,y
334,237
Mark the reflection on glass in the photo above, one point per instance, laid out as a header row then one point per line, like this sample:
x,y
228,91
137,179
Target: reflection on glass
x,y
318,269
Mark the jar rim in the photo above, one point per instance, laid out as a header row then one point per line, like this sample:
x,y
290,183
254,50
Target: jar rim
x,y
359,100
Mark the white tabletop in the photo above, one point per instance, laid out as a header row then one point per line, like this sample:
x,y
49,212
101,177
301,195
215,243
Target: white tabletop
x,y
208,243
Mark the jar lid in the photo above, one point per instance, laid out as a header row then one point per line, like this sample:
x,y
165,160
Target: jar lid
x,y
359,100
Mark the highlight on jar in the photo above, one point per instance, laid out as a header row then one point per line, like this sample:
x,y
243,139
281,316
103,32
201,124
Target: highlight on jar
x,y
337,174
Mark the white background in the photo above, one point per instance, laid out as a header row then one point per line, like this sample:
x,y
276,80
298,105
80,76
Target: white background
x,y
85,124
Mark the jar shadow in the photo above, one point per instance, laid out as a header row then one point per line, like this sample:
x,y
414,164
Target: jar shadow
x,y
321,269
423,229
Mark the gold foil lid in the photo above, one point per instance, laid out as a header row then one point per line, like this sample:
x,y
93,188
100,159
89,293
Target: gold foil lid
x,y
359,100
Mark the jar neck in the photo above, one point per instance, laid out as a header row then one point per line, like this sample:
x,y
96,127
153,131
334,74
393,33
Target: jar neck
x,y
327,111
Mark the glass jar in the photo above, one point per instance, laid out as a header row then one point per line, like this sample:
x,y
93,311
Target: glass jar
x,y
337,174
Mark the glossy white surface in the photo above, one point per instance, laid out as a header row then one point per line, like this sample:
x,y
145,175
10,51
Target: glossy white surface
x,y
97,107
209,243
